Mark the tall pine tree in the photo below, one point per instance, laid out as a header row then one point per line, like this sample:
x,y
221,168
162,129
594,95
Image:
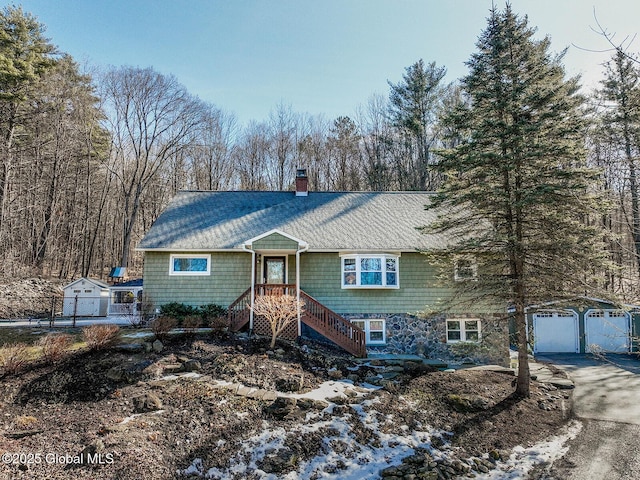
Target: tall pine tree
x,y
517,192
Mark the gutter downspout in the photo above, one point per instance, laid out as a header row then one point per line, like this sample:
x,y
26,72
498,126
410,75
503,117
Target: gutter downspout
x,y
298,252
253,283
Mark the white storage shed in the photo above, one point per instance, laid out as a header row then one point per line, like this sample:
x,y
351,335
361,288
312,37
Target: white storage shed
x,y
86,297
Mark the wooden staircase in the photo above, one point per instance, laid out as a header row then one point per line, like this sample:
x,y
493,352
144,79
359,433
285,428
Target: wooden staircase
x,y
315,315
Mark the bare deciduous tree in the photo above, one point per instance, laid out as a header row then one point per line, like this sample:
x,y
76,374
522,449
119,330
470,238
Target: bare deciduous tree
x,y
279,310
152,118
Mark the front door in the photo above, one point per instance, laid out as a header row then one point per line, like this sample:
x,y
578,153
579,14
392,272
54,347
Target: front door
x,y
274,270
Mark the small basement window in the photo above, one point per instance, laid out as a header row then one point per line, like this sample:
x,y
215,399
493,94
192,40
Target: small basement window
x,y
190,265
374,329
370,271
463,330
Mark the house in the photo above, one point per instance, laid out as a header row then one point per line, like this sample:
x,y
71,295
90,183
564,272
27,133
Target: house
x,y
352,257
583,325
86,297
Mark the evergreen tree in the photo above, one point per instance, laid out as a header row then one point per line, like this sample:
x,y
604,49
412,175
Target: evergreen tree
x,y
414,106
621,132
517,192
25,55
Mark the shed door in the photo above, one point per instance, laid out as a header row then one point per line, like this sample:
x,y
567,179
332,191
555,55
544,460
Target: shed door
x,y
607,331
86,306
555,332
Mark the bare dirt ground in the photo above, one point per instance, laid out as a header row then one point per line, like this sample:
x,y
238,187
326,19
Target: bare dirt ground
x,y
138,414
28,297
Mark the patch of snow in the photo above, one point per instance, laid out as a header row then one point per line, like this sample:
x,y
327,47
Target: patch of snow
x,y
341,456
334,389
182,375
196,468
522,460
138,335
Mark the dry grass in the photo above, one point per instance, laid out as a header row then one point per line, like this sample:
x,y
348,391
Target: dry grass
x,y
13,357
161,326
55,346
99,337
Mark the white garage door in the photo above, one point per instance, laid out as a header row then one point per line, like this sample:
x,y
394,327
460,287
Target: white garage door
x,y
607,331
555,332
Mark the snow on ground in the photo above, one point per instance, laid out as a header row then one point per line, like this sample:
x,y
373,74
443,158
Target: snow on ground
x,y
522,459
342,457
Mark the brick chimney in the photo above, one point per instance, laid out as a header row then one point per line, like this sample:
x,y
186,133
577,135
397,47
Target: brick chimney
x,y
302,183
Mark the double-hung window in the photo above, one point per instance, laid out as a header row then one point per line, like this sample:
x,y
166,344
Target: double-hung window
x,y
370,271
466,268
374,329
190,264
463,330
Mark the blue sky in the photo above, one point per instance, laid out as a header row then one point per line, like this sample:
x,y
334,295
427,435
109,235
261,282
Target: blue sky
x,y
321,57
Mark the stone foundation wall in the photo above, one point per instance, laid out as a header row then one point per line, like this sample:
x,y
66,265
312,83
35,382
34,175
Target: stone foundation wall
x,y
410,334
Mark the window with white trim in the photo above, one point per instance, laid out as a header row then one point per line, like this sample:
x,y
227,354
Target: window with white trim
x,y
465,269
463,330
190,264
374,329
370,271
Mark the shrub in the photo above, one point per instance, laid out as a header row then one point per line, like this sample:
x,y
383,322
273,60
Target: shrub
x,y
100,337
55,346
13,357
211,311
162,325
178,311
218,325
191,324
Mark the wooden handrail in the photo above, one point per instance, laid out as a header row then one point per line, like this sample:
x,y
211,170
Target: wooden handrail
x,y
275,289
239,312
317,316
333,326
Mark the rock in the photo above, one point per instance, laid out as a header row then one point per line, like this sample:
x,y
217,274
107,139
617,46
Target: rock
x,y
157,346
147,402
467,403
173,368
245,391
129,347
335,374
192,366
281,407
293,383
22,434
148,348
115,374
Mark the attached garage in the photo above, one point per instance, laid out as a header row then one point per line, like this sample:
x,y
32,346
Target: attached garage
x,y
588,326
556,331
607,331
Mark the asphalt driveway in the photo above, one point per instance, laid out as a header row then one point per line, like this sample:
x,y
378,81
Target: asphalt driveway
x,y
607,401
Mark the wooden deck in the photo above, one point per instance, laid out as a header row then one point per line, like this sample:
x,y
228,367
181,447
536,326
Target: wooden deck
x,y
315,315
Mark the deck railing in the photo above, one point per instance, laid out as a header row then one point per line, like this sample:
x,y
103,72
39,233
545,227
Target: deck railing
x,y
239,312
317,316
333,326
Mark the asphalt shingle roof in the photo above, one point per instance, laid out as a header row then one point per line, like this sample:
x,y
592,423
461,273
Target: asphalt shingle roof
x,y
329,221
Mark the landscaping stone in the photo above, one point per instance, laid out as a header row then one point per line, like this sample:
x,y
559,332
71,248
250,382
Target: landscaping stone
x,y
148,402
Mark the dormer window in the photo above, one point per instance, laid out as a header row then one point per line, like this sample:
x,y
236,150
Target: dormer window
x,y
370,271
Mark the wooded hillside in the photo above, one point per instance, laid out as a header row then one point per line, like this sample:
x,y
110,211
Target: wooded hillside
x,y
88,159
